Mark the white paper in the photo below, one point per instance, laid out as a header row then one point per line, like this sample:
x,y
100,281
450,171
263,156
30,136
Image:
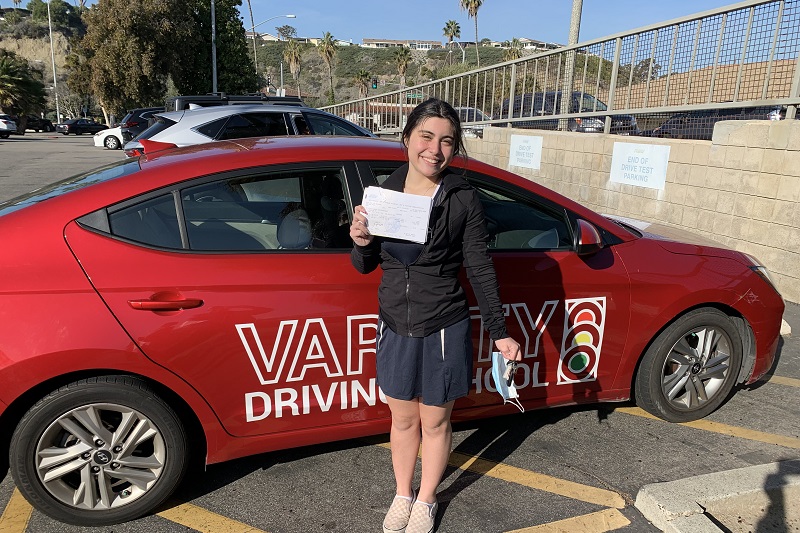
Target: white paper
x,y
397,215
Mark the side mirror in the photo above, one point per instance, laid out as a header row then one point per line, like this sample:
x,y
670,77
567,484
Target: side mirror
x,y
587,239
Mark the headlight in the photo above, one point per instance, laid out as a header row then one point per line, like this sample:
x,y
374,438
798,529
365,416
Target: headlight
x,y
590,123
762,271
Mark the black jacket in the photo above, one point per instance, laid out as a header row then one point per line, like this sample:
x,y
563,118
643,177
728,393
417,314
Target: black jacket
x,y
426,296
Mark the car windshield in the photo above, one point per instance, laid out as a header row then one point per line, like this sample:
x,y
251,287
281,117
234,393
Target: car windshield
x,y
115,170
156,127
589,103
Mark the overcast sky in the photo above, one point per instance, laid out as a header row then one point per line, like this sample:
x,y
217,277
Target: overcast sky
x,y
499,20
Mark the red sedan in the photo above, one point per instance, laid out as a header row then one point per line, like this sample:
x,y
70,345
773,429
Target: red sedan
x,y
202,300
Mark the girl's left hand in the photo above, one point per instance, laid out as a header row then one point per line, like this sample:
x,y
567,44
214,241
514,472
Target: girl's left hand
x,y
509,348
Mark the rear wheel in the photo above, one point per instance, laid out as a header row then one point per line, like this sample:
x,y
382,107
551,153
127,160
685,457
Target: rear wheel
x,y
691,367
99,451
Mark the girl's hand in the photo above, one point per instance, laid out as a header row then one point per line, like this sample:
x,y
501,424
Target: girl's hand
x,y
509,348
358,229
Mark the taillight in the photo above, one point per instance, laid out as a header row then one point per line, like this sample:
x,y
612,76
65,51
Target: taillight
x,y
129,124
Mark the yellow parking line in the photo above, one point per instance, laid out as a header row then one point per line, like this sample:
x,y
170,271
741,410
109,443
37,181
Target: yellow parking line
x,y
599,522
205,521
534,480
780,380
16,515
716,427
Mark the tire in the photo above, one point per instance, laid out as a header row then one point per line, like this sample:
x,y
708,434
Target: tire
x,y
60,454
112,143
691,368
4,135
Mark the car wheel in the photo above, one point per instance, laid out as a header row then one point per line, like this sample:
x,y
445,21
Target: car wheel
x,y
112,143
691,367
3,135
50,128
99,451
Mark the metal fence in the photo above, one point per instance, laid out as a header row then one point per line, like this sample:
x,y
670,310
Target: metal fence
x,y
728,60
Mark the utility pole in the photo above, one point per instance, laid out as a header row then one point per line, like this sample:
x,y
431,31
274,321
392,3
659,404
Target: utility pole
x,y
213,48
569,67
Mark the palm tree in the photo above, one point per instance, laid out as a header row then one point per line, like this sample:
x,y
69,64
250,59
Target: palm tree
x,y
327,50
472,7
402,57
20,91
292,56
452,29
362,82
514,50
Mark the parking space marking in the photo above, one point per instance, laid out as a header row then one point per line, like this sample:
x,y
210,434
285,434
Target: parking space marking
x,y
205,521
534,480
724,429
780,380
599,522
16,515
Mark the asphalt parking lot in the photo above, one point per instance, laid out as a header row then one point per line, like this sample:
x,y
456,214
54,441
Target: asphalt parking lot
x,y
563,469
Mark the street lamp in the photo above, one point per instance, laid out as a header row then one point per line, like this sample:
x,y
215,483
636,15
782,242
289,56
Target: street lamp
x,y
253,32
53,59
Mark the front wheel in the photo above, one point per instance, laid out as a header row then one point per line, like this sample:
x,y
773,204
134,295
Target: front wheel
x,y
112,143
99,451
691,367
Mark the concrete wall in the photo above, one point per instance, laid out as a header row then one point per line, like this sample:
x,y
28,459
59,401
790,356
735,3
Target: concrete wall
x,y
741,189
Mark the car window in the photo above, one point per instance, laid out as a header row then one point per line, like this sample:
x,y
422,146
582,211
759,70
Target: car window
x,y
212,129
159,125
518,223
254,125
285,210
153,222
325,125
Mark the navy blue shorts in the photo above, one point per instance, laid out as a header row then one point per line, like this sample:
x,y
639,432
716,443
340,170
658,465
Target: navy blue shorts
x,y
437,368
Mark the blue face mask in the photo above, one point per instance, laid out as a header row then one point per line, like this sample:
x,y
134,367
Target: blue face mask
x,y
503,377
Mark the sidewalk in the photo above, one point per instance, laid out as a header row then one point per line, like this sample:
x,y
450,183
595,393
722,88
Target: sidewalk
x,y
760,498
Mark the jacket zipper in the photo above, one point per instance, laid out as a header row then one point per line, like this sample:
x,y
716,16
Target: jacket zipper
x,y
408,303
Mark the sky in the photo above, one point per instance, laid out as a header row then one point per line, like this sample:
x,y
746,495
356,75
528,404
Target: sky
x,y
499,20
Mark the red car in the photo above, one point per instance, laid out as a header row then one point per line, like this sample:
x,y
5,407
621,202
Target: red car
x,y
201,300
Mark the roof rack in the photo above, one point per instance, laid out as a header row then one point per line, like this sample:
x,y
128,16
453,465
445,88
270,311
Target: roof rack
x,y
177,103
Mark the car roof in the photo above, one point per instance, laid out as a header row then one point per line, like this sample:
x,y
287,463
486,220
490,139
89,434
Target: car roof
x,y
211,112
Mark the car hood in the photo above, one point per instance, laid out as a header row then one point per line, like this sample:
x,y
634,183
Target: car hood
x,y
676,240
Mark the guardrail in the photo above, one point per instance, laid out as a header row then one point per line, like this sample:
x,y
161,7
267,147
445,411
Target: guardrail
x,y
742,55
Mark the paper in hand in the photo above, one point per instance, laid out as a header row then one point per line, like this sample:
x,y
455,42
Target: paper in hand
x,y
397,215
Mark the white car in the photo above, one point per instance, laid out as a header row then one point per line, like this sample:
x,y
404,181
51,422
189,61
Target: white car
x,y
7,126
196,126
473,115
110,138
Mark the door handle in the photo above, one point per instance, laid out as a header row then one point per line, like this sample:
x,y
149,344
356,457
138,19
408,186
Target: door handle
x,y
165,305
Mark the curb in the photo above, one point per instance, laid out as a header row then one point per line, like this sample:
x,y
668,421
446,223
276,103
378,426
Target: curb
x,y
698,504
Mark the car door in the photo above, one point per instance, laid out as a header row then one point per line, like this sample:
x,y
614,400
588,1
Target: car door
x,y
237,284
569,313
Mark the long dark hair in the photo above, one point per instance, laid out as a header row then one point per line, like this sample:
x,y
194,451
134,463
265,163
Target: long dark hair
x,y
433,107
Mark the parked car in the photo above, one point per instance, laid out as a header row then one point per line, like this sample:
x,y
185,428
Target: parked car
x,y
700,124
38,124
79,126
136,121
549,103
473,114
195,126
201,301
7,126
110,138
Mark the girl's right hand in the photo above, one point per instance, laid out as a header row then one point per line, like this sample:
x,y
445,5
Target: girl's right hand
x,y
358,229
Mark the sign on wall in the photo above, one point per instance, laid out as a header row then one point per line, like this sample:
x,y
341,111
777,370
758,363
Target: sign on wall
x,y
643,165
525,151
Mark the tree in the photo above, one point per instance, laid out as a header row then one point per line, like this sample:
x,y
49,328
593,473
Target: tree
x,y
327,50
286,32
292,55
472,7
63,17
134,48
402,57
362,80
451,30
514,50
21,87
